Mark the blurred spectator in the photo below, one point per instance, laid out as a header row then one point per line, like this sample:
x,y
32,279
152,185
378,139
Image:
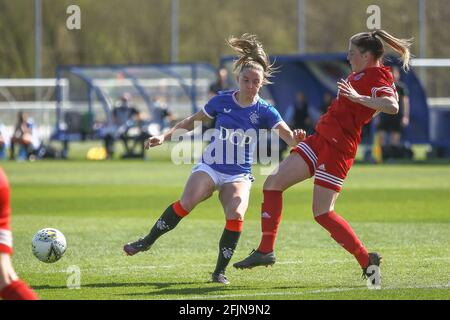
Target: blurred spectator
x,y
221,83
326,102
24,136
135,135
366,143
302,118
4,141
122,120
390,127
162,115
297,117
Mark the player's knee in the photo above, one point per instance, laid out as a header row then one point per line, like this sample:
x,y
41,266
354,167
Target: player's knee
x,y
235,215
190,201
320,209
272,183
5,280
187,203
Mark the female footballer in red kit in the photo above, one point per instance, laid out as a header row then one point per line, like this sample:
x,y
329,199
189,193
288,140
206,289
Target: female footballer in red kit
x,y
11,287
329,153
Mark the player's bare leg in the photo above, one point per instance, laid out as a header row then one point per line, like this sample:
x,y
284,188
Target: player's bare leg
x,y
11,287
7,273
234,198
199,187
291,171
324,200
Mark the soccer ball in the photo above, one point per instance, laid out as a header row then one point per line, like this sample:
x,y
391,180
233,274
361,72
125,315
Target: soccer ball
x,y
49,245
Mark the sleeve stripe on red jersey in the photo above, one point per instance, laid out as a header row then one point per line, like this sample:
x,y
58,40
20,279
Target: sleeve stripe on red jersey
x,y
389,90
6,237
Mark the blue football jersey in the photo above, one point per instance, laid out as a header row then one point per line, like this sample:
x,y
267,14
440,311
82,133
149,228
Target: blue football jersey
x,y
236,132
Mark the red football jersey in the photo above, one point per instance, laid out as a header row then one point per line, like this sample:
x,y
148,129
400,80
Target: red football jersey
x,y
5,212
341,125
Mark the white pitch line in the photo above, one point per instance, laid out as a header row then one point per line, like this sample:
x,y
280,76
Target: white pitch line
x,y
330,290
436,258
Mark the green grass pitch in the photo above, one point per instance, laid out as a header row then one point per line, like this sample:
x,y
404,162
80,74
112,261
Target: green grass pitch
x,y
401,211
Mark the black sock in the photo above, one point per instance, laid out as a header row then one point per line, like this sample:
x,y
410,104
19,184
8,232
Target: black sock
x,y
227,245
168,220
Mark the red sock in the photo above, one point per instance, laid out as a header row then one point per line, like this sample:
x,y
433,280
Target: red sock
x,y
18,290
234,225
270,219
179,210
343,233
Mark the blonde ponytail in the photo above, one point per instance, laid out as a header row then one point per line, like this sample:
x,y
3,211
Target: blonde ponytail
x,y
373,42
401,46
251,54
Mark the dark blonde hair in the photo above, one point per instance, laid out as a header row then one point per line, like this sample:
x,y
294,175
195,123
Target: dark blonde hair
x,y
371,41
251,55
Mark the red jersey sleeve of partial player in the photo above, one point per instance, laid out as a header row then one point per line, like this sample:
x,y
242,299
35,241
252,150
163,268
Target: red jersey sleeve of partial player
x,y
383,88
5,212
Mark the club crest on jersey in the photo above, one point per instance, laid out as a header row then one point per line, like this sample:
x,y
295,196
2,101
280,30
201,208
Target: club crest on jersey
x,y
254,117
359,76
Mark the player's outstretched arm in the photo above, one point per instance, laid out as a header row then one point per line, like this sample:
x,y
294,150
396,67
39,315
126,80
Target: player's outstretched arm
x,y
292,138
386,104
186,124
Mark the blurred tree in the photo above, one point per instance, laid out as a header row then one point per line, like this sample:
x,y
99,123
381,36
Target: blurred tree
x,y
16,34
138,31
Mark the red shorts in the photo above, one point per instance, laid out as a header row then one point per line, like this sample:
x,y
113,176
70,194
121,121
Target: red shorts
x,y
329,165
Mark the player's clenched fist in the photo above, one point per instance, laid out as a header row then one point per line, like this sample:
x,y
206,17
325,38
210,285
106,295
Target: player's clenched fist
x,y
299,135
153,142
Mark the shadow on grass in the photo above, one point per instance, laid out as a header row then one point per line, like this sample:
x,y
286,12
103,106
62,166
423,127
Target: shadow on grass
x,y
204,288
237,292
196,289
159,289
117,285
179,291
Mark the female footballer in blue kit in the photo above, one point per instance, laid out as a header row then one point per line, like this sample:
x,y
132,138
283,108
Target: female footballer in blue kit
x,y
237,113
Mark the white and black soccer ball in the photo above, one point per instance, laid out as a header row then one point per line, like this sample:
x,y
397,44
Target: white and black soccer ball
x,y
49,245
